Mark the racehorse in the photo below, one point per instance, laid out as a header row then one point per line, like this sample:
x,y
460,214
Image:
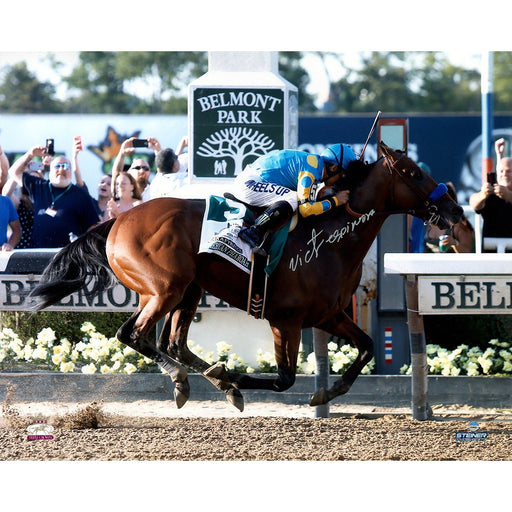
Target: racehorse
x,y
153,249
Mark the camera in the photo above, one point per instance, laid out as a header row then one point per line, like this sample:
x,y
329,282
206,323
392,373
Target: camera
x,y
140,143
50,149
491,178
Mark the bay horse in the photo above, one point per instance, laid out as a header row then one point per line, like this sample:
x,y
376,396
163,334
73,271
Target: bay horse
x,y
153,250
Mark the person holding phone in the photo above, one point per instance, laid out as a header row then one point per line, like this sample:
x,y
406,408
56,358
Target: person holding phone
x,y
61,209
140,169
494,200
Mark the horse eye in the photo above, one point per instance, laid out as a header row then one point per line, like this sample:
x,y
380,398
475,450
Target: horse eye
x,y
416,174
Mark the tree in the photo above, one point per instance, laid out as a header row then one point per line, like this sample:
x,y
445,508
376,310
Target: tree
x,y
103,81
237,143
291,69
445,87
406,82
502,81
382,83
97,86
22,93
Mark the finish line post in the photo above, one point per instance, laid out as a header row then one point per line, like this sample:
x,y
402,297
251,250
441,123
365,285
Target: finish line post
x,y
320,342
419,378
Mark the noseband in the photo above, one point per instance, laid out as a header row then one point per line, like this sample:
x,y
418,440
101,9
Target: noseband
x,y
429,200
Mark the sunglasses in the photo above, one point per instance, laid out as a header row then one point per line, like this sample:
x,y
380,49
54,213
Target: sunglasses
x,y
139,167
63,166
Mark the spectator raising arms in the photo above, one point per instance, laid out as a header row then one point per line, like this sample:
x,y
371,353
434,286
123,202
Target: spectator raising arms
x,y
494,200
168,180
23,203
60,208
104,186
139,168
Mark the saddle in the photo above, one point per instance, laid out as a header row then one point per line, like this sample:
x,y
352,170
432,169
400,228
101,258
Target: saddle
x,y
223,219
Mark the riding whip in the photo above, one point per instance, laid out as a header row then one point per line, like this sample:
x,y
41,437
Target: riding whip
x,y
374,125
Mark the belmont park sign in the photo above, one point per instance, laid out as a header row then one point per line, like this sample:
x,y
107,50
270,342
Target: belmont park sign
x,y
14,290
470,294
232,126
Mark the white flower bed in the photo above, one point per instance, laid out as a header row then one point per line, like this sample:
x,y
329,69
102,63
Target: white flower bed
x,y
494,360
95,353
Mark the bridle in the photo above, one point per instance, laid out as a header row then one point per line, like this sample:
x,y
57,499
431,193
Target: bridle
x,y
429,201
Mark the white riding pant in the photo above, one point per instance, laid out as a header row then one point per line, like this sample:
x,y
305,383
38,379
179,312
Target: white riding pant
x,y
249,188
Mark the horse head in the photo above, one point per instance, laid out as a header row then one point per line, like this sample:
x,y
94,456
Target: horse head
x,y
417,193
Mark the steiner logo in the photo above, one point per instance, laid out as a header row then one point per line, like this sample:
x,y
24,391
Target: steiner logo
x,y
473,435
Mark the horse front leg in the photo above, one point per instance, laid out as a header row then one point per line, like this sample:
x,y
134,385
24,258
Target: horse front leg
x,y
286,347
342,326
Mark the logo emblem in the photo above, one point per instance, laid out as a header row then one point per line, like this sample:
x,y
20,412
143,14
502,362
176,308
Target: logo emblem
x,y
473,426
39,430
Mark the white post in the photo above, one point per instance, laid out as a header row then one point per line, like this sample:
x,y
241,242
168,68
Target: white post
x,y
419,378
320,342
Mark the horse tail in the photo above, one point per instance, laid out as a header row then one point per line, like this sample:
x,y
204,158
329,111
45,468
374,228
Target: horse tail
x,y
74,267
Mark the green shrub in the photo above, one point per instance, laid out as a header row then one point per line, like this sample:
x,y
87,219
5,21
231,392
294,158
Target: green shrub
x,y
450,331
66,324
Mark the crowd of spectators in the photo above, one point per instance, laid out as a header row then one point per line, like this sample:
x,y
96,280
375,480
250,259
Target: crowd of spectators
x,y
41,207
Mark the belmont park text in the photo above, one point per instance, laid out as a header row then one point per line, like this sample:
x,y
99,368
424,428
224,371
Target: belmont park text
x,y
238,99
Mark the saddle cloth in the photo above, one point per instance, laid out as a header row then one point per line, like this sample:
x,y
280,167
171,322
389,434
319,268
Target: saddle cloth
x,y
222,221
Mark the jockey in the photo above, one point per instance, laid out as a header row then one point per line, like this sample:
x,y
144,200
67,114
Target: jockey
x,y
284,180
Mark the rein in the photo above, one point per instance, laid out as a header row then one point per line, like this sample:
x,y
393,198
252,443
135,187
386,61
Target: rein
x,y
429,201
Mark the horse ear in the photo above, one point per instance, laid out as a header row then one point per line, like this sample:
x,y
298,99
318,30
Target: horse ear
x,y
386,150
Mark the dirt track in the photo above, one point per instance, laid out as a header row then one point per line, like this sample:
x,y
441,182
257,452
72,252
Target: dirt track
x,y
96,432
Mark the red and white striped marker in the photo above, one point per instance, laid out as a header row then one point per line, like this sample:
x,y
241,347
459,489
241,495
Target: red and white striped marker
x,y
388,345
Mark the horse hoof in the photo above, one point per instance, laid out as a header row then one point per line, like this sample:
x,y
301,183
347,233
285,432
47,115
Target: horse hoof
x,y
320,397
181,393
179,375
216,371
233,396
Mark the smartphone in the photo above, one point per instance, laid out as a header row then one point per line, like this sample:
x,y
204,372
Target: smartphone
x,y
35,166
491,178
50,148
140,143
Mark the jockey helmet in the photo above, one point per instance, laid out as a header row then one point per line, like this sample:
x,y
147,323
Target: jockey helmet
x,y
338,154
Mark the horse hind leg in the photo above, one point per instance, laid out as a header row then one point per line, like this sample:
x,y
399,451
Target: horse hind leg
x,y
176,331
182,385
131,337
364,345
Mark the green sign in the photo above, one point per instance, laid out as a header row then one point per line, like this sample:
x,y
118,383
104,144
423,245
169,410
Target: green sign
x,y
233,127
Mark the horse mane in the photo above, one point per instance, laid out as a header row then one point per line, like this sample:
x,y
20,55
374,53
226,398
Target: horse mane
x,y
356,172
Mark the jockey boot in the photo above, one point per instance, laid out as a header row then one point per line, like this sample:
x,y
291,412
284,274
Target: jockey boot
x,y
271,219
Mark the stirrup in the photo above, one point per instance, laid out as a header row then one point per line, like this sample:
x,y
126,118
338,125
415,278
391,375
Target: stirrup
x,y
250,236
